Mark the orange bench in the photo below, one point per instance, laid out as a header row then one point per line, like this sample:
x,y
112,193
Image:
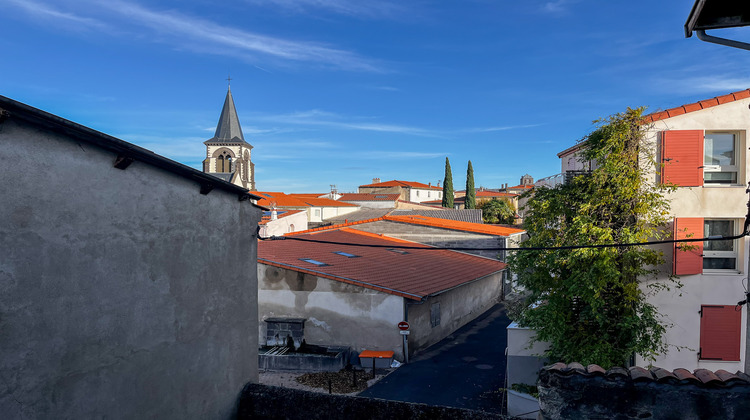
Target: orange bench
x,y
382,359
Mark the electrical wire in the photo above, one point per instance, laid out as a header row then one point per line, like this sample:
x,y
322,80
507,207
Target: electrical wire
x,y
543,248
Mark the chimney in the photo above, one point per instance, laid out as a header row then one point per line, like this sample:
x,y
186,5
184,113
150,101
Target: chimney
x,y
429,184
376,180
438,184
274,214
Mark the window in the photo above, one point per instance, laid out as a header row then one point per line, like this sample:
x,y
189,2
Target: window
x,y
699,257
435,314
398,251
720,158
720,332
428,194
417,193
317,212
719,255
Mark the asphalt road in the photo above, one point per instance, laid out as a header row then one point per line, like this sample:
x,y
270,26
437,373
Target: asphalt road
x,y
466,369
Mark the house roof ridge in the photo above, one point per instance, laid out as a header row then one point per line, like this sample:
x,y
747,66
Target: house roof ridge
x,y
697,106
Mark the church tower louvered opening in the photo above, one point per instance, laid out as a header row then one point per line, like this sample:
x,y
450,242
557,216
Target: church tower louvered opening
x,y
227,152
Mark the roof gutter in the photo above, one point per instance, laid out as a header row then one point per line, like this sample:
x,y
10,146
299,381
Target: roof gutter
x,y
703,36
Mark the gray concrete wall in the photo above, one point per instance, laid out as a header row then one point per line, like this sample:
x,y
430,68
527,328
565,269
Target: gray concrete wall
x,y
123,294
337,313
457,307
438,237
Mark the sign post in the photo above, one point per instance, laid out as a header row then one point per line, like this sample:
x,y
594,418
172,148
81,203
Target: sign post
x,y
403,327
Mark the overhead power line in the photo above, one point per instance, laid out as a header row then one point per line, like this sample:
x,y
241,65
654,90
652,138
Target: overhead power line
x,y
546,248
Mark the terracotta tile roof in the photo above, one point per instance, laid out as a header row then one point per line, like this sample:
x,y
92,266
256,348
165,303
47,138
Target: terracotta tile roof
x,y
405,184
306,195
496,230
521,187
484,194
368,197
280,214
702,377
697,106
287,200
326,202
418,273
281,199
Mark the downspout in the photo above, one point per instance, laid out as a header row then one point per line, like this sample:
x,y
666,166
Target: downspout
x,y
406,339
721,41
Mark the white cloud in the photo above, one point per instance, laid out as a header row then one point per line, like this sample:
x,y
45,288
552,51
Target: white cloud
x,y
48,13
364,9
206,35
558,6
316,117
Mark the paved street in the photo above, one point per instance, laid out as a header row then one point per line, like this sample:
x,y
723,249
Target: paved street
x,y
464,370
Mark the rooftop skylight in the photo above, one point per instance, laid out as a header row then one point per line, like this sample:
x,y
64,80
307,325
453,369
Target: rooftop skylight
x,y
316,262
398,251
346,254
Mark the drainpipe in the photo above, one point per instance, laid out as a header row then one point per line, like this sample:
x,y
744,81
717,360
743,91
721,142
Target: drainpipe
x,y
406,339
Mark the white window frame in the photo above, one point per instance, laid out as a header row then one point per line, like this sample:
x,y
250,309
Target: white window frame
x,y
734,253
707,168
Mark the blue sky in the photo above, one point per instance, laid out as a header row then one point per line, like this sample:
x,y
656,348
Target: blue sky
x,y
342,91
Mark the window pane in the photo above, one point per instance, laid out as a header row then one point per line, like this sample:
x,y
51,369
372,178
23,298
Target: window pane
x,y
719,149
718,227
720,177
718,263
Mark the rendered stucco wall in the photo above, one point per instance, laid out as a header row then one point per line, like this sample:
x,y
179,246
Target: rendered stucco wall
x,y
337,313
123,293
710,201
457,307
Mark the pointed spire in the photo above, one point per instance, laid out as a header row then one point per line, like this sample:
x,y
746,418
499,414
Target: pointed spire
x,y
228,129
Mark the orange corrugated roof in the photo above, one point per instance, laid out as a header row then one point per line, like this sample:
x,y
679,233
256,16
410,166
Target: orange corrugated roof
x,y
455,225
415,274
425,221
287,200
697,106
517,187
410,184
306,195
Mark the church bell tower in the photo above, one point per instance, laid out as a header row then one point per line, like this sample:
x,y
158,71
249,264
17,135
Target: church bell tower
x,y
227,152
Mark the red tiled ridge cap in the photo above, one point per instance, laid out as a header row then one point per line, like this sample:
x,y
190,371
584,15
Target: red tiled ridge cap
x,y
655,374
697,106
397,183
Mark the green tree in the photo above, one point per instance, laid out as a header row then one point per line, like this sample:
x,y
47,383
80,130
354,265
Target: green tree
x,y
448,186
471,193
588,303
497,211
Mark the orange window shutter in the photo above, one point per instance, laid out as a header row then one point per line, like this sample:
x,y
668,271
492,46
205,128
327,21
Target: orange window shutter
x,y
682,157
688,256
720,332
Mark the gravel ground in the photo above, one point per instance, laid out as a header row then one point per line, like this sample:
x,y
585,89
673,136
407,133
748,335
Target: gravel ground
x,y
289,380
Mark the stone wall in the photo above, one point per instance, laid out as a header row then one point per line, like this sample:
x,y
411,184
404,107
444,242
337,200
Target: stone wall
x,y
575,392
261,402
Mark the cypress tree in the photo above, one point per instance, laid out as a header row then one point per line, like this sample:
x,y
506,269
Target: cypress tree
x,y
448,186
471,194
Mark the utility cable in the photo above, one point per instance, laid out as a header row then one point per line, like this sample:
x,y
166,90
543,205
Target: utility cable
x,y
543,248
